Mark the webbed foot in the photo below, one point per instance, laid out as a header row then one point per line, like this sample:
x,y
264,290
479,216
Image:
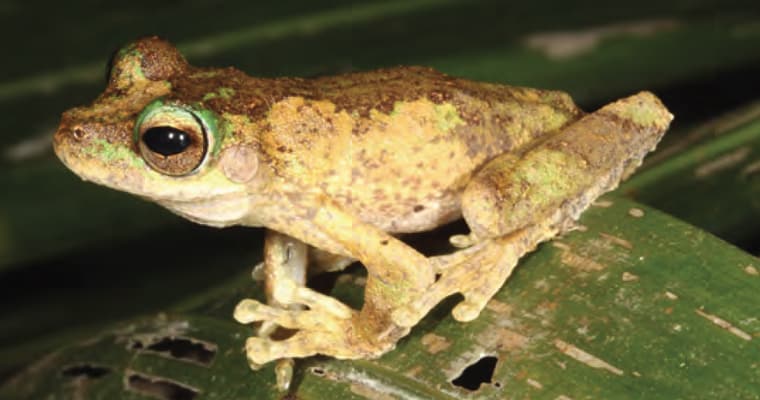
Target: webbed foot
x,y
477,272
326,327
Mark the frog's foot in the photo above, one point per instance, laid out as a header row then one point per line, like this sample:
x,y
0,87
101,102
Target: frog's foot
x,y
325,327
477,272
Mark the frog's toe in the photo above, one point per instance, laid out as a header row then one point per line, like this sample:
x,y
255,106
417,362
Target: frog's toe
x,y
249,310
489,276
475,300
288,292
410,314
476,272
467,311
283,372
319,302
317,332
335,338
263,350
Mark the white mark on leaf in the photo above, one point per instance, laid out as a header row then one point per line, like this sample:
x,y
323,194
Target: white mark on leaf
x,y
724,324
560,45
584,357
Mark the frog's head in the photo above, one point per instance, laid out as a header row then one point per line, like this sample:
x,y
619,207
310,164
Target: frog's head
x,y
154,133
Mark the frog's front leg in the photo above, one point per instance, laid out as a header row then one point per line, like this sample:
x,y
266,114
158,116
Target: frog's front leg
x,y
291,305
397,274
285,260
518,201
285,269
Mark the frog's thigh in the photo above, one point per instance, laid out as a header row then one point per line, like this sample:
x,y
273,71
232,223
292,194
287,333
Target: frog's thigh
x,y
484,201
497,240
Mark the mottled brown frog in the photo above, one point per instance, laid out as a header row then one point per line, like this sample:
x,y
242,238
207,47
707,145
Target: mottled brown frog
x,y
336,167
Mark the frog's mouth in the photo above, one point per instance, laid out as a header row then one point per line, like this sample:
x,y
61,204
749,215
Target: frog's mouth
x,y
219,211
117,166
201,203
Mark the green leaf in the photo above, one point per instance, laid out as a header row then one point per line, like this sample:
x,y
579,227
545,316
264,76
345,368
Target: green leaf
x,y
624,307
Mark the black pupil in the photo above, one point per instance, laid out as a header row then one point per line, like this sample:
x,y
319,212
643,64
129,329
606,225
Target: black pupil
x,y
166,140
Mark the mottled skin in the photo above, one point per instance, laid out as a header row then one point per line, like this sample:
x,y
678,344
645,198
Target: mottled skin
x,y
335,166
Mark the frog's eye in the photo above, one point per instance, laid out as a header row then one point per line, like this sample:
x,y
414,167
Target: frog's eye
x,y
173,140
166,140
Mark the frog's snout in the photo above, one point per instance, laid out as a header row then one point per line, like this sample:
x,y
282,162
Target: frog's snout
x,y
68,137
77,134
96,150
69,133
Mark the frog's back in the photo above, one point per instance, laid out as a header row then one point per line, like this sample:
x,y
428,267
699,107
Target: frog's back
x,y
398,146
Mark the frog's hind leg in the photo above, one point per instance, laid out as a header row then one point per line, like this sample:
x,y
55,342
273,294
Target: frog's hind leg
x,y
519,200
477,272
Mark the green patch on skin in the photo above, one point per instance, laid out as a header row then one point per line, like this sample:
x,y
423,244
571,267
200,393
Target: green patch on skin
x,y
223,93
559,120
396,109
110,153
129,50
209,119
545,170
447,117
551,176
228,124
552,119
130,57
640,114
146,112
226,129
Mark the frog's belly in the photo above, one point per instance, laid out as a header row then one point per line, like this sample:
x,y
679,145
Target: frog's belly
x,y
412,216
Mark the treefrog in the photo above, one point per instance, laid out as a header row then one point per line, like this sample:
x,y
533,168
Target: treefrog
x,y
336,168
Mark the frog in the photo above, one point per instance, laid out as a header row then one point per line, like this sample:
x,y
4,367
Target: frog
x,y
337,169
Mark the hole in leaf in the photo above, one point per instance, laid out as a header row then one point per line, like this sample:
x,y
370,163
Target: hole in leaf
x,y
89,371
476,373
159,388
180,348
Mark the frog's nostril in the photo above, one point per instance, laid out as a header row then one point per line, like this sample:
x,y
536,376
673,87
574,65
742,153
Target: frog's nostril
x,y
78,133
